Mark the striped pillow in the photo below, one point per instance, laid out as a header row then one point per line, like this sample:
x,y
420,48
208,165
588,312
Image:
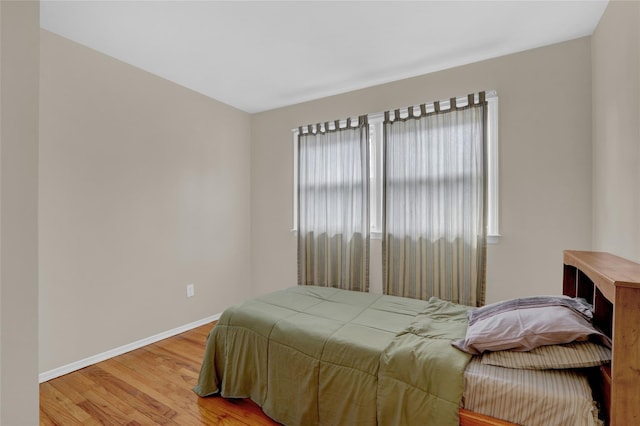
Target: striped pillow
x,y
552,357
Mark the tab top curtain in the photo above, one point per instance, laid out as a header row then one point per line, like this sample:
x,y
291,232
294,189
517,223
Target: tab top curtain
x,y
434,231
333,205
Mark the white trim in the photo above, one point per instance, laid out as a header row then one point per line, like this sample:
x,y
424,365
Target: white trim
x,y
375,184
294,227
74,366
493,190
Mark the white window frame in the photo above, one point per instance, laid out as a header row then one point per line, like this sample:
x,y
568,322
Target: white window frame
x,y
375,141
375,166
493,187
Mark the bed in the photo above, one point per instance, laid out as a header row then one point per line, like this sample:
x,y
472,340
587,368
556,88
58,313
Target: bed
x,y
313,355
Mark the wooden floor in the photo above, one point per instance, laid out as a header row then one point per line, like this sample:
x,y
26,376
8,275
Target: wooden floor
x,y
148,386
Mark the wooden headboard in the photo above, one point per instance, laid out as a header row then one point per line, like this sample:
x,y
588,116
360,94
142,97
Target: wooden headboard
x,y
612,285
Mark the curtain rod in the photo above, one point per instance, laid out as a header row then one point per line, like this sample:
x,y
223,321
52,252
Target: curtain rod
x,y
444,104
379,116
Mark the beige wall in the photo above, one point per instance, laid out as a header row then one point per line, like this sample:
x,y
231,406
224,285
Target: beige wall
x,y
144,188
19,58
545,164
616,130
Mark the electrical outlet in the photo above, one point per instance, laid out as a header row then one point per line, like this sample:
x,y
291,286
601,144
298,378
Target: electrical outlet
x,y
191,290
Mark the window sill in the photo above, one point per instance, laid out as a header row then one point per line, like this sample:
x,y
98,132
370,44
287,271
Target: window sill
x,y
493,239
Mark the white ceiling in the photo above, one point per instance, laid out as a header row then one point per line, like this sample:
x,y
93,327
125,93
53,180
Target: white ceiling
x,y
260,55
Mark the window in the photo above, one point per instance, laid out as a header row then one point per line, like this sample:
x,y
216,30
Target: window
x,y
375,141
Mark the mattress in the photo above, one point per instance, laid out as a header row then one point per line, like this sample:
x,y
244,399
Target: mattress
x,y
530,397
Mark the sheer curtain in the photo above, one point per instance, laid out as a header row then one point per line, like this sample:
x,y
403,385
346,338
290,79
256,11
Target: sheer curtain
x,y
333,205
434,236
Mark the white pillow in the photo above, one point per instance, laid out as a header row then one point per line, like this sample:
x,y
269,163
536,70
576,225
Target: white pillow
x,y
525,324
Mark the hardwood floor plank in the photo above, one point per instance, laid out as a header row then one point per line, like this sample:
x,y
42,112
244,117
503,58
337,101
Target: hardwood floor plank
x,y
197,336
155,410
104,401
183,404
184,348
177,387
92,397
173,359
74,386
149,386
45,420
105,413
245,410
57,406
172,374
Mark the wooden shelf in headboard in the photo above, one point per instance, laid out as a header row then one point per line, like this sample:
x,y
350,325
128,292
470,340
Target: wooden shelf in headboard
x,y
612,285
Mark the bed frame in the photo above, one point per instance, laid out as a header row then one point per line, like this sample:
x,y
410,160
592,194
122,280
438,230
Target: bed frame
x,y
612,285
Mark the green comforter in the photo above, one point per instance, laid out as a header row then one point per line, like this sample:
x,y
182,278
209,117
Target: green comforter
x,y
322,356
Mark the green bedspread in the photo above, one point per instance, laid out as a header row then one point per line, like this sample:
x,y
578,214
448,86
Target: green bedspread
x,y
322,356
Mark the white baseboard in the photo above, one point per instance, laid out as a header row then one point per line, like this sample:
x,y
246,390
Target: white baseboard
x,y
65,369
